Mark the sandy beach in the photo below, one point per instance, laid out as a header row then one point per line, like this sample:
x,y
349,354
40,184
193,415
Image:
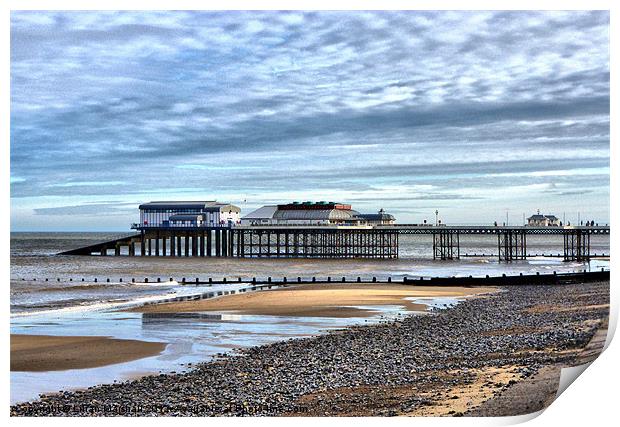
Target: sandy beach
x,y
490,355
36,353
320,300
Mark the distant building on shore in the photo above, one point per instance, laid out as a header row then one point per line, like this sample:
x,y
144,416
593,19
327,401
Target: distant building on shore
x,y
188,214
539,220
313,213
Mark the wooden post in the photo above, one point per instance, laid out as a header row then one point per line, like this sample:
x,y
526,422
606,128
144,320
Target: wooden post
x,y
209,242
231,242
224,242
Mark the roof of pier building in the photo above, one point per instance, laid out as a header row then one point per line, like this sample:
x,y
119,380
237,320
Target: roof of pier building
x,y
322,205
539,217
380,216
266,212
315,214
197,206
304,211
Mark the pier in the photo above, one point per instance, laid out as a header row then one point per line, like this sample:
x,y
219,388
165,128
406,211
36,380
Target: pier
x,y
326,241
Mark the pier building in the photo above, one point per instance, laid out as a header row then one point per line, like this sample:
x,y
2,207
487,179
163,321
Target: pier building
x,y
187,214
260,216
539,220
303,213
380,218
314,213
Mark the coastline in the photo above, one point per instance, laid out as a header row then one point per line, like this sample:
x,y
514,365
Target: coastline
x,y
41,353
416,365
319,300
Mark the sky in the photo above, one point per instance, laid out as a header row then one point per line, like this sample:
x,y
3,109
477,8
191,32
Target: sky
x,y
479,115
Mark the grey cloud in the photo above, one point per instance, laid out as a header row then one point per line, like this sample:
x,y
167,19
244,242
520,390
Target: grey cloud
x,y
98,209
279,99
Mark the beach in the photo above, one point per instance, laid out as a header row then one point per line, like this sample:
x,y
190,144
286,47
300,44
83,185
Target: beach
x,y
464,359
319,300
34,353
38,353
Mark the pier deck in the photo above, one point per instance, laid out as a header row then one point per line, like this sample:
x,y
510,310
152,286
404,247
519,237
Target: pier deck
x,y
337,241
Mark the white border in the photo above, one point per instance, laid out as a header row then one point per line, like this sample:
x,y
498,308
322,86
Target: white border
x,y
591,400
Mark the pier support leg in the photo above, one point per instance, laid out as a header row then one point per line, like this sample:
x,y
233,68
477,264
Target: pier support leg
x,y
218,247
172,244
239,236
446,245
511,245
209,242
224,243
576,245
231,243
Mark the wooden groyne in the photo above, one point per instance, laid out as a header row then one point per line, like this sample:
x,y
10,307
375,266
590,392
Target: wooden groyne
x,y
503,280
521,279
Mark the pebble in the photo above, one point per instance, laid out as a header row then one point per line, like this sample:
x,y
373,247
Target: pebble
x,y
269,380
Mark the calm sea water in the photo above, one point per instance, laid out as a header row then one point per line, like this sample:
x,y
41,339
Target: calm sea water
x,y
34,259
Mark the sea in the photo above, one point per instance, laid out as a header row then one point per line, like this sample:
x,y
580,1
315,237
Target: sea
x,y
53,294
41,280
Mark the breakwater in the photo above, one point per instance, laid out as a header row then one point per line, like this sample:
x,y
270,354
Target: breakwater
x,y
521,279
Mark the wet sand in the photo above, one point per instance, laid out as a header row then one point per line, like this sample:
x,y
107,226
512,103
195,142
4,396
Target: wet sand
x,y
450,362
320,300
37,353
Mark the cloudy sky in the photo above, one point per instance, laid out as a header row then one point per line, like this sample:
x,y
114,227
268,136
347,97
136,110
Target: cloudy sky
x,y
471,113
